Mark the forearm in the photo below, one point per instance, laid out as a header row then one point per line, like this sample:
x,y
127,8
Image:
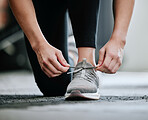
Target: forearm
x,y
25,15
123,10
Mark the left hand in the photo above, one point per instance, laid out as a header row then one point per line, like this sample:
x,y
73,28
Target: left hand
x,y
111,55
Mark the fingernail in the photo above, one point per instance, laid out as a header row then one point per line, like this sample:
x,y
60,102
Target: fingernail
x,y
98,64
67,64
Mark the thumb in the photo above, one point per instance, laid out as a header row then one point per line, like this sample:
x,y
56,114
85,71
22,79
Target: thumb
x,y
62,60
101,57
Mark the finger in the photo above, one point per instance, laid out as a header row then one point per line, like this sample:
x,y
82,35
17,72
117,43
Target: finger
x,y
50,67
116,68
46,71
105,65
58,66
101,56
103,70
61,59
49,73
118,64
112,65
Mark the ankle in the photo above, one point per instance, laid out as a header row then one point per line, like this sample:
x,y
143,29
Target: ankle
x,y
88,53
91,61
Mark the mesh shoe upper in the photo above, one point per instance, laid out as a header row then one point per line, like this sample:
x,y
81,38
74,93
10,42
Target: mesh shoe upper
x,y
85,78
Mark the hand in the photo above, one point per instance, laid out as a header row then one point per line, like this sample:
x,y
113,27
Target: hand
x,y
51,60
111,55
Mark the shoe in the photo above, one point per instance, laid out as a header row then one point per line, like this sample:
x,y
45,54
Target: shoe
x,y
85,83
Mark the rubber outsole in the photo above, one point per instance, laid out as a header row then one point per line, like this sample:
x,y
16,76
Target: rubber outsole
x,y
77,95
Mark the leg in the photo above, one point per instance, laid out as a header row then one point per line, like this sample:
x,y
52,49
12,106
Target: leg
x,y
52,18
84,18
88,53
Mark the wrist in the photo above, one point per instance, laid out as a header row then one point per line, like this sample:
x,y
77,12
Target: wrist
x,y
119,33
120,37
36,45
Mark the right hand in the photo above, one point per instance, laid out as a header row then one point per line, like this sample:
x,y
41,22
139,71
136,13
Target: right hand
x,y
51,60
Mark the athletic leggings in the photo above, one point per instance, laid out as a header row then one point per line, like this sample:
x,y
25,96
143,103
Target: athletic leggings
x,y
52,16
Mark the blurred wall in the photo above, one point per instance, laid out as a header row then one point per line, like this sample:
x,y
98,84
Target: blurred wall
x,y
105,24
136,49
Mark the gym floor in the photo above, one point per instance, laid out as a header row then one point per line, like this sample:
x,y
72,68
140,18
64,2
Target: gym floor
x,y
124,95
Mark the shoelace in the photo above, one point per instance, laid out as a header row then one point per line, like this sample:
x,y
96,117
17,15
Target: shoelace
x,y
79,69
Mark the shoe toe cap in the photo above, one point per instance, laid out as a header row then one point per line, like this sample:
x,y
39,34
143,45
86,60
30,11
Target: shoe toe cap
x,y
83,88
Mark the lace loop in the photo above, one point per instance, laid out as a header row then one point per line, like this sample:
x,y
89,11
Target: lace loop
x,y
80,68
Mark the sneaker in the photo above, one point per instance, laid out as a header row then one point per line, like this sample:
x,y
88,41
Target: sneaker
x,y
85,83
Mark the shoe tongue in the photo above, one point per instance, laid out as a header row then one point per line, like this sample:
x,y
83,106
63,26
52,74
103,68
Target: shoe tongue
x,y
83,64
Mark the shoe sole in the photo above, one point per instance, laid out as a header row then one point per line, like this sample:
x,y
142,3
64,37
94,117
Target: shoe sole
x,y
77,95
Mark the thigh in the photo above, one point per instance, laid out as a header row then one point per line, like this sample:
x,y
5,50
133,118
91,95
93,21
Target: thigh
x,y
52,19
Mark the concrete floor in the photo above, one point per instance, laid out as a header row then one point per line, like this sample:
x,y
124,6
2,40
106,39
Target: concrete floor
x,y
124,95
